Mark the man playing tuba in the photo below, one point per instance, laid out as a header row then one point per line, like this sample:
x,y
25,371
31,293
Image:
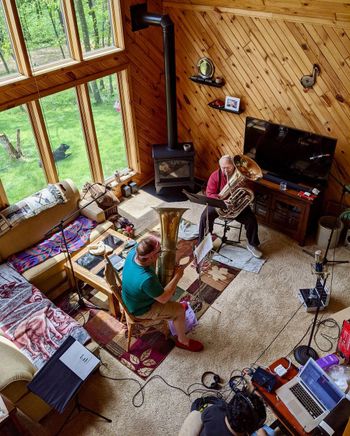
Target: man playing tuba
x,y
217,181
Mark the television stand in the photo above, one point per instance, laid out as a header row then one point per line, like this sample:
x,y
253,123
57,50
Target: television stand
x,y
290,185
285,210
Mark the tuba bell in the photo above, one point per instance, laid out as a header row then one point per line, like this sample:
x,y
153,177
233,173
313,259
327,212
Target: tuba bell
x,y
236,196
169,223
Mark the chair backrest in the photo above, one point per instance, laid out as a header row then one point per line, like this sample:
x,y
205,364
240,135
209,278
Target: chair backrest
x,y
113,279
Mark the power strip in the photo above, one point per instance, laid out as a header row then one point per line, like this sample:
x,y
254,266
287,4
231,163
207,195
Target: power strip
x,y
280,370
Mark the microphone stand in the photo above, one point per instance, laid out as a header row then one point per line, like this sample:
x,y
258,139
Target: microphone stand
x,y
302,353
60,227
346,190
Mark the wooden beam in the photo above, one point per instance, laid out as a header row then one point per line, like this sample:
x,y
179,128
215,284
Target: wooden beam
x,y
17,38
42,141
130,132
3,197
72,29
116,23
89,131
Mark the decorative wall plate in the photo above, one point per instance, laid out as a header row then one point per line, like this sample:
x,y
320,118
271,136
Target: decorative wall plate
x,y
205,68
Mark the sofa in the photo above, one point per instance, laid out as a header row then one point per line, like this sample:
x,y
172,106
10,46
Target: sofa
x,y
32,328
50,276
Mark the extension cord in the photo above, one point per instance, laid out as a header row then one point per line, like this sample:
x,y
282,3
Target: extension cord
x,y
280,370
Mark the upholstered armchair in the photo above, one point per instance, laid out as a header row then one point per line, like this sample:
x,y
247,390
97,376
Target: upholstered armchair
x,y
16,372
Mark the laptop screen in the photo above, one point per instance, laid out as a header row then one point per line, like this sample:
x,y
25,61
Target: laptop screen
x,y
321,386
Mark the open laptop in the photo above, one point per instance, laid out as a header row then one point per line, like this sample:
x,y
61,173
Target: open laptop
x,y
310,395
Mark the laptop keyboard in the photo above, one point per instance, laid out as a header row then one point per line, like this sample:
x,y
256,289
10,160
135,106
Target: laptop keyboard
x,y
306,400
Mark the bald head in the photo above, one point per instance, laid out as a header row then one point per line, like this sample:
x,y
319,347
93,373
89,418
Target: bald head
x,y
226,165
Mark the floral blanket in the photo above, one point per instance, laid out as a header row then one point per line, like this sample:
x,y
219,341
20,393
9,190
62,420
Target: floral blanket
x,y
32,322
77,234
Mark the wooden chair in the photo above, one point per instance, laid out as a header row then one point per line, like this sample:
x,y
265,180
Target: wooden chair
x,y
113,279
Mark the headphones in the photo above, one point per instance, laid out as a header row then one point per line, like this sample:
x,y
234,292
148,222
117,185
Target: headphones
x,y
215,384
242,393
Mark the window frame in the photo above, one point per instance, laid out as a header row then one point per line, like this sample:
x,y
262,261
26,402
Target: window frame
x,y
71,73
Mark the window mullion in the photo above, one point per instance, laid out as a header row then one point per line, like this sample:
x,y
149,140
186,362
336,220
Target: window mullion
x,y
89,131
116,22
3,197
42,140
72,29
17,38
128,119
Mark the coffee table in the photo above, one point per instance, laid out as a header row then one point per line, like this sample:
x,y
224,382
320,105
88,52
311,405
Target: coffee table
x,y
90,268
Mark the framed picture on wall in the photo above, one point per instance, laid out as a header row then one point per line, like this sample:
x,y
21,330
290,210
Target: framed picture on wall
x,y
232,104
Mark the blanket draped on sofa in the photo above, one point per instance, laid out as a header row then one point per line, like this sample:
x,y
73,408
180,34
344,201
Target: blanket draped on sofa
x,y
77,234
31,321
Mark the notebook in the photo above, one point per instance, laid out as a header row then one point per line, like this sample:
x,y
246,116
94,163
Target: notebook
x,y
310,395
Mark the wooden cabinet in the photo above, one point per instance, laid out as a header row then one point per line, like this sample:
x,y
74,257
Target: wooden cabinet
x,y
284,210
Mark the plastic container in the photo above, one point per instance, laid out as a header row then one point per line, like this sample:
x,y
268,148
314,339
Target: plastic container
x,y
325,226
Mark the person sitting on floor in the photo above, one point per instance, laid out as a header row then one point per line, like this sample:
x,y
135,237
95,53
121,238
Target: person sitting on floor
x,y
145,297
244,415
216,182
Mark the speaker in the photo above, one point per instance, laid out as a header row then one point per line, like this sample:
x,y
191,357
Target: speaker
x,y
214,384
134,187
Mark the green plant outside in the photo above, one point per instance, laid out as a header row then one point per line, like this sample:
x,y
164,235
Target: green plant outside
x,y
22,177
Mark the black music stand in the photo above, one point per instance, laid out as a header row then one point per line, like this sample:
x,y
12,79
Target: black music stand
x,y
60,227
206,201
56,383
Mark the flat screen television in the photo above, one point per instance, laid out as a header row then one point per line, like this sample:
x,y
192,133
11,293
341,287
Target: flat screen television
x,y
293,155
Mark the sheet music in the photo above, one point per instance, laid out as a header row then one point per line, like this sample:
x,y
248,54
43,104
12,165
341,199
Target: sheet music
x,y
203,248
79,360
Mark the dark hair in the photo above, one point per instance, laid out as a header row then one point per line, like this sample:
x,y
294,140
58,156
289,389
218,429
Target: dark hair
x,y
146,246
246,413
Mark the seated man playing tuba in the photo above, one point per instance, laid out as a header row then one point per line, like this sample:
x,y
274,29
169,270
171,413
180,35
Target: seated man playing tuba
x,y
218,182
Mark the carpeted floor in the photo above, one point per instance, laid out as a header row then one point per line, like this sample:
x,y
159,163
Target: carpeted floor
x,y
252,311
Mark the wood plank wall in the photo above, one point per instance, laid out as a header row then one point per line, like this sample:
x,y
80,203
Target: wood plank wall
x,y
262,52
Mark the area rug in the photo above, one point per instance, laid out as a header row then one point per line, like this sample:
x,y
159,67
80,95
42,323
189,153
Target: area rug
x,y
239,257
150,347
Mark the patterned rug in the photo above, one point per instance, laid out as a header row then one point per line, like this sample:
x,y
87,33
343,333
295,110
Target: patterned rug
x,y
151,347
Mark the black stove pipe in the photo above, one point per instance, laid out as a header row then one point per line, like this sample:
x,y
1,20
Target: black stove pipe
x,y
165,22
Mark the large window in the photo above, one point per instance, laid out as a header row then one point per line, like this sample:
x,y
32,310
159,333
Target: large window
x,y
109,125
71,122
94,24
43,29
67,142
7,59
19,156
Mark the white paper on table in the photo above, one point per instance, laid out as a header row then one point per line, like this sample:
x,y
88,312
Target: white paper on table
x,y
79,360
4,413
203,248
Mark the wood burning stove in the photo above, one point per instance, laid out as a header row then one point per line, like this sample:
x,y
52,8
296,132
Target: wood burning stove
x,y
173,162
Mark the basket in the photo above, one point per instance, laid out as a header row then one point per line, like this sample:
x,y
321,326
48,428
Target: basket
x,y
113,210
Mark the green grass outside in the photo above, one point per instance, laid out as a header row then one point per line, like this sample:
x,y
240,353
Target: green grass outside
x,y
23,177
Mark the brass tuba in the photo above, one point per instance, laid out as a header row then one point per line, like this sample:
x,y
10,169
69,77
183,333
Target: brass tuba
x,y
236,196
169,223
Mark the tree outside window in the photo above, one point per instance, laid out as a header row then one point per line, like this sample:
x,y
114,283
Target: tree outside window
x,y
94,24
8,64
19,156
63,125
44,31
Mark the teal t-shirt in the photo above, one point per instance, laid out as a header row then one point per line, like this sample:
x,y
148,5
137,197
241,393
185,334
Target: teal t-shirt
x,y
140,285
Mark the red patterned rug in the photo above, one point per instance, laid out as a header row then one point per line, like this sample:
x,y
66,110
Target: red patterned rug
x,y
150,347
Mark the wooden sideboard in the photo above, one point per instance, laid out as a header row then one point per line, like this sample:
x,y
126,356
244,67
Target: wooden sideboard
x,y
284,210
